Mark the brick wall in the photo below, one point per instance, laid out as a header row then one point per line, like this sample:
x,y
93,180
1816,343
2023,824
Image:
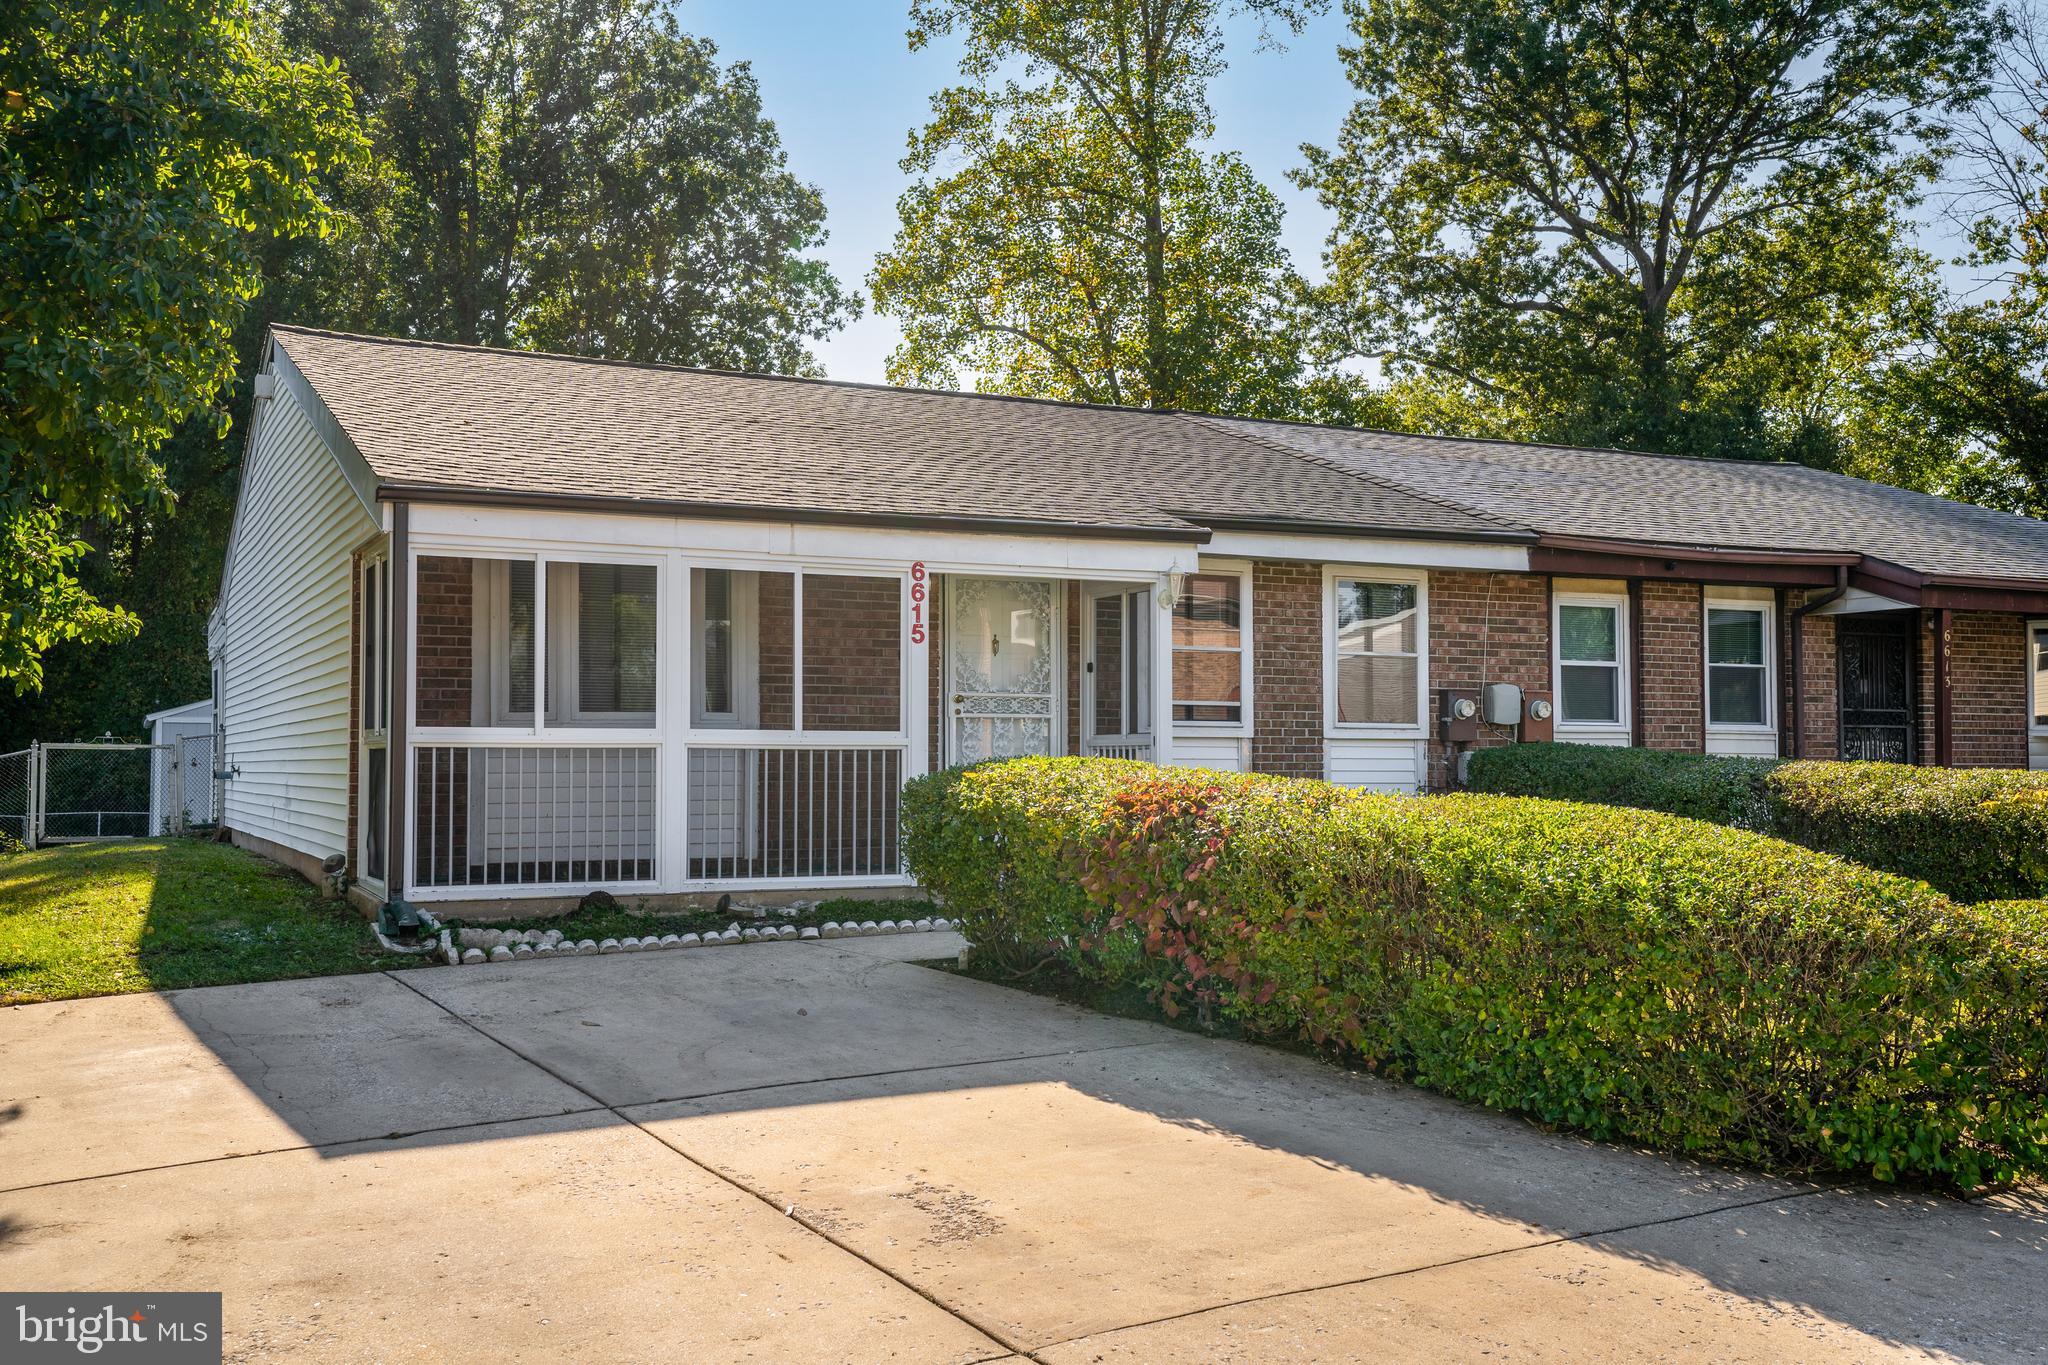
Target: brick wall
x,y
853,635
777,624
1815,677
445,610
1988,689
1287,668
1483,628
1671,710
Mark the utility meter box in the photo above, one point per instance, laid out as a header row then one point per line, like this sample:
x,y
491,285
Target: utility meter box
x,y
1457,716
1503,704
1541,724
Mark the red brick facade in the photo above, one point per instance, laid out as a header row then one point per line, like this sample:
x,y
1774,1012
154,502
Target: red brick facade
x,y
1670,684
1287,669
1483,628
1819,688
1988,689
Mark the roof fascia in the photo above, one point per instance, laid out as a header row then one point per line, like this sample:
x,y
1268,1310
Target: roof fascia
x,y
662,507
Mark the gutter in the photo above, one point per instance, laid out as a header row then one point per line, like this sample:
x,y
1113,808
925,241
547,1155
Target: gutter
x,y
1799,616
1287,526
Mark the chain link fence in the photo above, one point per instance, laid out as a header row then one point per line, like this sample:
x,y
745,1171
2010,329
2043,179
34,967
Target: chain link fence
x,y
82,792
17,792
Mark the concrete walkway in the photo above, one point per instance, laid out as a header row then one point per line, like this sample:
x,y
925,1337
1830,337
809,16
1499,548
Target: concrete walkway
x,y
817,1151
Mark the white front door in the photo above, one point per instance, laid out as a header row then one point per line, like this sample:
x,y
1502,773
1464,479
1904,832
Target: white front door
x,y
1002,668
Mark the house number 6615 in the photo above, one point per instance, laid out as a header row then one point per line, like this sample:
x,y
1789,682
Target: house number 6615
x,y
917,595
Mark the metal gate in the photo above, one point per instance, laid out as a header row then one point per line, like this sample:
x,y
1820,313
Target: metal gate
x,y
105,789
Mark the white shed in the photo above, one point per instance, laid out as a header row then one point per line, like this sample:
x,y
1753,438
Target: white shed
x,y
193,782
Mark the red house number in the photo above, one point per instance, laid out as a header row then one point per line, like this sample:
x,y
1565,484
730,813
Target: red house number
x,y
917,603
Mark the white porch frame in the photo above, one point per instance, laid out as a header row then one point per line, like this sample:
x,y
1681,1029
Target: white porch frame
x,y
677,545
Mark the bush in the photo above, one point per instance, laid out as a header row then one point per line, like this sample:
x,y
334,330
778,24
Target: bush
x,y
1976,834
1633,976
1727,791
1972,833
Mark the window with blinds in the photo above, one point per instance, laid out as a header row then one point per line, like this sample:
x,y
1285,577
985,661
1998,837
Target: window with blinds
x,y
615,629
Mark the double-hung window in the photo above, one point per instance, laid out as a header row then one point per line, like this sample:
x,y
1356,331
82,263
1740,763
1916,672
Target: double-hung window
x,y
1375,641
1208,650
1738,648
1590,631
2037,676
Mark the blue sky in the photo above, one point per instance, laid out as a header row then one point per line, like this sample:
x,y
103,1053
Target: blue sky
x,y
844,89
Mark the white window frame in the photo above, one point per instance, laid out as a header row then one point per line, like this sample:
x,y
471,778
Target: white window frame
x,y
1241,570
375,703
1333,574
565,627
2037,643
1623,680
1711,602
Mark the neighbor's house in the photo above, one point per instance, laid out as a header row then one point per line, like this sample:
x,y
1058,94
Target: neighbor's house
x,y
502,625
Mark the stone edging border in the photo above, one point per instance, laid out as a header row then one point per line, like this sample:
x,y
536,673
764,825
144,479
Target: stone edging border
x,y
476,945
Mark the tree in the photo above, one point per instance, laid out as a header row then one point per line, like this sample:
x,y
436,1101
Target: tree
x,y
576,176
145,150
1583,221
1068,236
1975,397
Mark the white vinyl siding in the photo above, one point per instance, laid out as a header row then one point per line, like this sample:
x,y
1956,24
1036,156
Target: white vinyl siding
x,y
282,639
1386,765
1220,753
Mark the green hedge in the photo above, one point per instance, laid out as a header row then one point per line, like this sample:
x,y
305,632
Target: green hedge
x,y
1727,791
1972,833
1633,976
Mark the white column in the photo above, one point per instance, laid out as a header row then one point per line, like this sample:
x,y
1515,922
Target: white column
x,y
672,667
917,652
1162,673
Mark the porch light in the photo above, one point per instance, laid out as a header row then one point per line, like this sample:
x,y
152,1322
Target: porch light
x,y
1176,584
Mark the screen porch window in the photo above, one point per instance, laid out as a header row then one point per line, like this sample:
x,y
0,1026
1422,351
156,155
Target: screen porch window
x,y
1738,668
1378,652
1590,673
375,685
1208,650
606,658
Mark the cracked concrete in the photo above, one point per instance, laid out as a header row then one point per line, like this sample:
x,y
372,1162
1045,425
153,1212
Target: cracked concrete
x,y
821,1150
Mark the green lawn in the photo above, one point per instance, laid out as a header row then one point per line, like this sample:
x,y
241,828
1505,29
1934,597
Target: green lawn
x,y
158,914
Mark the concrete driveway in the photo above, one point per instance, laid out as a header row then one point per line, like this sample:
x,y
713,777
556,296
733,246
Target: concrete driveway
x,y
817,1151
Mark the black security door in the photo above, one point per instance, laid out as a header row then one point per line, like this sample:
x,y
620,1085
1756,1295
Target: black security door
x,y
1876,657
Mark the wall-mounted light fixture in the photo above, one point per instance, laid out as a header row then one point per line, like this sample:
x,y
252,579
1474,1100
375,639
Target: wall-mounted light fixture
x,y
1170,593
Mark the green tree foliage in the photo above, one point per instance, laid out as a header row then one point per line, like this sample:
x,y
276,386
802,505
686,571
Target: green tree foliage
x,y
1068,234
1669,228
146,150
579,177
1967,414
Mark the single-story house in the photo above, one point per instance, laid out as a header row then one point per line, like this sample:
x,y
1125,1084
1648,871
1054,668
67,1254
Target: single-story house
x,y
503,625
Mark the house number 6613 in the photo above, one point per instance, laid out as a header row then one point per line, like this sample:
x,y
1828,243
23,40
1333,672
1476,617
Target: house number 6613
x,y
917,595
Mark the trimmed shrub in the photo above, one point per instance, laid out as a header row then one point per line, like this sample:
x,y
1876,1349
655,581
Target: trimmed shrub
x,y
1633,976
1972,833
1976,834
1727,791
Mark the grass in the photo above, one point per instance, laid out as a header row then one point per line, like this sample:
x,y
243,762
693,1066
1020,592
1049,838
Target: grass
x,y
160,914
626,918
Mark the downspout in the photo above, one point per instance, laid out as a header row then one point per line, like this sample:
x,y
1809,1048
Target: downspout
x,y
1798,670
397,768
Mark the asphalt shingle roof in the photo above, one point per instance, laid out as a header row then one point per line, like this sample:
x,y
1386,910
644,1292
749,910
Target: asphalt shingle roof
x,y
431,416
1672,500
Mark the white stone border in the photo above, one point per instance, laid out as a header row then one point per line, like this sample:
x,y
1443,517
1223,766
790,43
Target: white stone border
x,y
519,945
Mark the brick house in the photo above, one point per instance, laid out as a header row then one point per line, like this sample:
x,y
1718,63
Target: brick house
x,y
501,626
